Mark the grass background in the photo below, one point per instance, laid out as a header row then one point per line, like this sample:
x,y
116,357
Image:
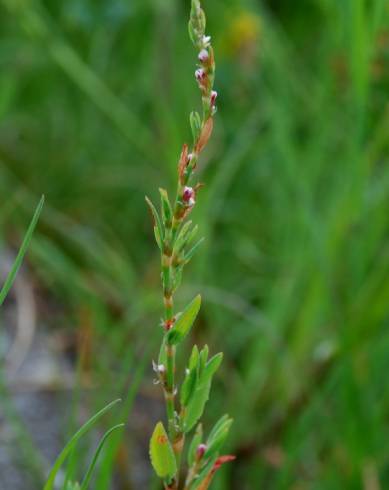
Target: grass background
x,y
94,104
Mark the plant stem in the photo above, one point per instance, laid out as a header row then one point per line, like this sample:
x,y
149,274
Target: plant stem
x,y
191,475
169,392
172,260
166,264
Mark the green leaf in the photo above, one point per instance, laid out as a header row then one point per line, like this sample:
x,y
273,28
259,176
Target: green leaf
x,y
177,277
73,441
192,251
161,453
184,238
167,212
194,357
158,230
184,322
200,395
190,380
219,424
203,358
72,486
196,405
217,437
22,251
205,471
195,124
89,473
162,352
181,239
158,237
212,366
192,234
196,441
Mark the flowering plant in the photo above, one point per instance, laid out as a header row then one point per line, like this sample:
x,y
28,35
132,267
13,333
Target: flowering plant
x,y
174,235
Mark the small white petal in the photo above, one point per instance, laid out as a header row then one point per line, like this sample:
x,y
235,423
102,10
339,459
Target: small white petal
x,y
206,40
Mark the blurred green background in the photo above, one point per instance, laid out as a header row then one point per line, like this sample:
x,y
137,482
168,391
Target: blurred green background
x,y
94,104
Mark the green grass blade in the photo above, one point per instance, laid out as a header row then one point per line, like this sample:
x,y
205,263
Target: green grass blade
x,y
89,473
22,251
70,445
107,465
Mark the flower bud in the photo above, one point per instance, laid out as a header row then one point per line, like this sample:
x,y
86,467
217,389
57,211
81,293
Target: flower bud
x,y
213,98
159,368
188,196
205,135
203,56
201,448
200,75
206,41
183,162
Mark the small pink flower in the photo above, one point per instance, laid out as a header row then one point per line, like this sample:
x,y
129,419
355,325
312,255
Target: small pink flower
x,y
159,368
201,448
188,196
213,98
200,75
203,56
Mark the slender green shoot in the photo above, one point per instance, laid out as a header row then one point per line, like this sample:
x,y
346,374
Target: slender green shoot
x,y
22,252
73,441
103,440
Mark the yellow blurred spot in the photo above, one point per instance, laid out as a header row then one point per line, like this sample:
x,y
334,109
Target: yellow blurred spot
x,y
243,33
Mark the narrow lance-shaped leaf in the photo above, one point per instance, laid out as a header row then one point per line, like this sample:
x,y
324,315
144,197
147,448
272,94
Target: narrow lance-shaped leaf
x,y
196,441
219,424
212,366
196,406
203,358
217,437
183,242
177,277
158,230
167,212
161,453
195,124
158,237
162,352
200,396
192,234
203,475
182,237
22,251
189,384
192,251
184,322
